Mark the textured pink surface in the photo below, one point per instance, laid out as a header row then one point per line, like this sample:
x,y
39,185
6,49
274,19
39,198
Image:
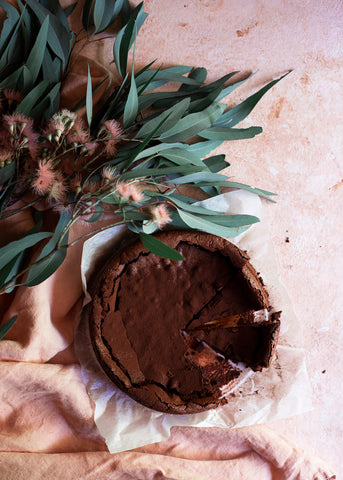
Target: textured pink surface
x,y
299,156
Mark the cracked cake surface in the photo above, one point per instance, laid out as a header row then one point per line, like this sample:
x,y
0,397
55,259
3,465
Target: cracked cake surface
x,y
158,326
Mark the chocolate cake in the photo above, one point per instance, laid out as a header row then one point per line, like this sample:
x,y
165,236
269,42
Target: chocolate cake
x,y
170,333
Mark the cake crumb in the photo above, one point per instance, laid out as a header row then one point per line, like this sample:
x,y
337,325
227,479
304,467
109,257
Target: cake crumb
x,y
287,239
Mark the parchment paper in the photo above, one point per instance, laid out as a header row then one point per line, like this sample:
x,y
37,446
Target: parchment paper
x,y
280,391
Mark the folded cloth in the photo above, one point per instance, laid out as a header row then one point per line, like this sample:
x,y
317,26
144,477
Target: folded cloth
x,y
190,453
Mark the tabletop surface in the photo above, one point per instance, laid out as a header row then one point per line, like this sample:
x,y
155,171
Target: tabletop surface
x,y
299,156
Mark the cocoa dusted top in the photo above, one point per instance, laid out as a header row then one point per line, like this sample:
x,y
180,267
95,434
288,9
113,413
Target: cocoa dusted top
x,y
150,319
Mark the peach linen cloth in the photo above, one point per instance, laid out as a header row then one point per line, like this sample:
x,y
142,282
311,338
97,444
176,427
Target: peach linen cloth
x,y
47,428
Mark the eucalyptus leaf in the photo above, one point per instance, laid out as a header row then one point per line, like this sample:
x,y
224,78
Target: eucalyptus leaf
x,y
51,107
159,172
31,99
131,107
6,173
199,74
202,224
226,133
183,205
144,75
240,186
35,59
89,99
240,112
181,156
133,215
6,326
229,89
216,163
159,248
52,255
174,114
126,37
9,272
192,124
58,37
203,147
98,213
11,250
199,177
156,149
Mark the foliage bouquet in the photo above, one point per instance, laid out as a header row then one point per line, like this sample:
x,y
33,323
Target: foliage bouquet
x,y
140,154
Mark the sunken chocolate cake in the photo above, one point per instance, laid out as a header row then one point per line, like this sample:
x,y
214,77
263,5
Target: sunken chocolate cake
x,y
170,333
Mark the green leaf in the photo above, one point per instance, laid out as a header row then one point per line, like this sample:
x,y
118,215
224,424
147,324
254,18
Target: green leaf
x,y
181,156
142,146
199,74
216,163
202,224
159,248
159,172
190,207
234,221
58,36
226,133
9,324
126,37
86,13
229,89
172,74
10,271
31,99
98,213
12,80
52,255
203,148
27,80
199,177
35,59
133,215
174,114
6,173
101,13
156,149
192,124
239,112
8,252
131,106
240,186
206,101
9,30
89,99
104,13
51,107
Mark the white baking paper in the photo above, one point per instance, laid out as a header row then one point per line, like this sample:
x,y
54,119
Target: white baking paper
x,y
280,391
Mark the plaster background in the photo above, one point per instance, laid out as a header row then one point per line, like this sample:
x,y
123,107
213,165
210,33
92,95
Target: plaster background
x,y
299,156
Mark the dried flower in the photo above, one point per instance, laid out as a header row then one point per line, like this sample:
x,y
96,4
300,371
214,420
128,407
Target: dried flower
x,y
20,133
78,134
58,189
160,215
12,96
44,178
114,128
129,191
108,174
114,134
